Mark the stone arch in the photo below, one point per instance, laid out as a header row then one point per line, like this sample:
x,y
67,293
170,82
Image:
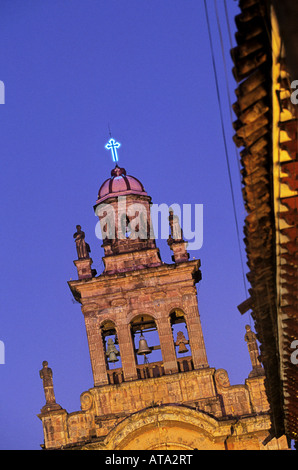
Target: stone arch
x,y
171,427
177,307
107,319
132,315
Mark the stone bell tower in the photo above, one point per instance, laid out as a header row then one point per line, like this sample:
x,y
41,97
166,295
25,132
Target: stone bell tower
x,y
137,292
153,387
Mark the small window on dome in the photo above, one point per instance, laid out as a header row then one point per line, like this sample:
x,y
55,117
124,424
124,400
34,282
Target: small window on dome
x,y
125,226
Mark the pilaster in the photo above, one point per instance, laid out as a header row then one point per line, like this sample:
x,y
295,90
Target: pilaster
x,y
127,352
196,338
96,350
167,345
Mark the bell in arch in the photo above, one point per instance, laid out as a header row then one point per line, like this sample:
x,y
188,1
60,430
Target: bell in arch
x,y
112,352
143,347
181,342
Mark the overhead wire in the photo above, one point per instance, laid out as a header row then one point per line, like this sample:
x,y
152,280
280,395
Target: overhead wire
x,y
226,73
230,103
231,46
224,139
227,159
254,199
231,118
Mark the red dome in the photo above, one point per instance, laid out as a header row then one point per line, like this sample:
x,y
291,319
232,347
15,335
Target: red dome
x,y
120,184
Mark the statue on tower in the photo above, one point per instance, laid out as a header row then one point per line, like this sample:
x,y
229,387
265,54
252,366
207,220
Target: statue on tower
x,y
46,375
253,350
83,249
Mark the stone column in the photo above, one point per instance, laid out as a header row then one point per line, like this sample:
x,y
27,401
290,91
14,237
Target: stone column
x,y
54,428
127,352
167,345
84,267
195,335
96,349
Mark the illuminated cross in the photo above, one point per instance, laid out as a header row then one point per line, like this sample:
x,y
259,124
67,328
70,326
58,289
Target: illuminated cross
x,y
113,146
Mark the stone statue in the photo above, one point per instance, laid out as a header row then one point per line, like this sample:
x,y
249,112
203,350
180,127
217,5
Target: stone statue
x,y
83,249
253,350
46,375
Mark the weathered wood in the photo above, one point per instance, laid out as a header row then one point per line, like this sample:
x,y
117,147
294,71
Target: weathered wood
x,y
250,98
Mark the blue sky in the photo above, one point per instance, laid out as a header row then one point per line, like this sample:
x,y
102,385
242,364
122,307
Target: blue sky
x,y
71,70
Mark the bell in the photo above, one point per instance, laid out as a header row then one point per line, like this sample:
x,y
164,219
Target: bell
x,y
181,341
182,348
112,352
143,347
112,357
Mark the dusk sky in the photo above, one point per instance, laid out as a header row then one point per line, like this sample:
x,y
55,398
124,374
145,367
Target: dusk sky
x,y
71,69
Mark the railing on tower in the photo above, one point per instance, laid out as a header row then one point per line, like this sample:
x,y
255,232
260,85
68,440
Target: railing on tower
x,y
185,364
115,376
150,370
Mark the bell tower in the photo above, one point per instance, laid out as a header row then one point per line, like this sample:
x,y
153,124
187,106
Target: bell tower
x,y
138,297
153,387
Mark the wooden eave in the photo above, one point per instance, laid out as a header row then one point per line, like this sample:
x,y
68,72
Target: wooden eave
x,y
252,58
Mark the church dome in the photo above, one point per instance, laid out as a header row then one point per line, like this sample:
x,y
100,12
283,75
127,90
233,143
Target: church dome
x,y
120,184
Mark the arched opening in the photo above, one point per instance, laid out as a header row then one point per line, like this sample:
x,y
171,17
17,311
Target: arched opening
x,y
112,353
125,230
106,215
146,346
133,223
181,340
137,221
179,428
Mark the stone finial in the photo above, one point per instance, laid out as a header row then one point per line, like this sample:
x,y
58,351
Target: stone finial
x,y
175,241
176,230
46,375
253,350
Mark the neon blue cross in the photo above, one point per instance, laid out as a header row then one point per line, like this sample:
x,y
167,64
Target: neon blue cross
x,y
113,146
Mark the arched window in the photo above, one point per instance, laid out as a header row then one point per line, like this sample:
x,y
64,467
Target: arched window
x,y
124,230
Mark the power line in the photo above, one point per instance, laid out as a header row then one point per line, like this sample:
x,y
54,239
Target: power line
x,y
224,140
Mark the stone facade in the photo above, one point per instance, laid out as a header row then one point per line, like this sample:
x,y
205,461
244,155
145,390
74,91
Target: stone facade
x,y
197,409
178,402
